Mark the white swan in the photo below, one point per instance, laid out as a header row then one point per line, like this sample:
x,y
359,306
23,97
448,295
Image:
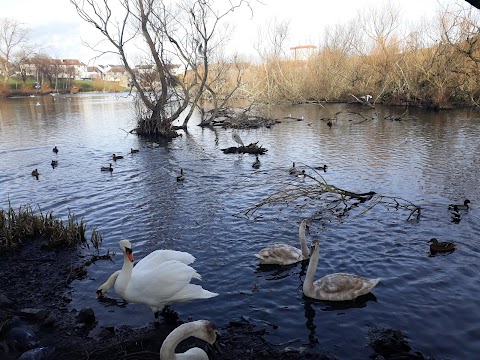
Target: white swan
x,y
284,254
202,329
157,284
334,287
153,259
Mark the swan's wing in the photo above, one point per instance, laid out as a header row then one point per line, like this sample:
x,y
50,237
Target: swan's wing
x,y
189,292
341,286
158,257
280,254
155,286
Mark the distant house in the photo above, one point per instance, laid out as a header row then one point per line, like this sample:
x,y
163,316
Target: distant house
x,y
116,73
92,73
303,52
72,69
63,68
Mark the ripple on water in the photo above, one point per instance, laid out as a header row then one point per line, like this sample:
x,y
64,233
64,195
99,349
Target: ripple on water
x,y
424,296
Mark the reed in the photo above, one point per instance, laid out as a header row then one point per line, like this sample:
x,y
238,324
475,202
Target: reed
x,y
17,227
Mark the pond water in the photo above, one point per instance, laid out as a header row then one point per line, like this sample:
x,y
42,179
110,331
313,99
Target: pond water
x,y
431,159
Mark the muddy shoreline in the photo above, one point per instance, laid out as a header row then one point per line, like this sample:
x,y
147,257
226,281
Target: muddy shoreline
x,y
35,287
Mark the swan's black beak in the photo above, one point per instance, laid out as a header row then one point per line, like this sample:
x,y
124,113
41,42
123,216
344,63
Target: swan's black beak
x,y
99,294
129,254
214,350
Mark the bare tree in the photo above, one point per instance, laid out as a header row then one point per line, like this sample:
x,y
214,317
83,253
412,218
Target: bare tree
x,y
460,32
14,46
165,33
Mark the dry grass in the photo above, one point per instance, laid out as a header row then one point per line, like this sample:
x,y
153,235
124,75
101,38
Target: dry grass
x,y
16,227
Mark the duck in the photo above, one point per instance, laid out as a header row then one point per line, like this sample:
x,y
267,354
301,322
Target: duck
x,y
107,168
55,150
116,157
302,174
436,246
134,151
201,329
284,254
153,259
181,177
256,163
334,287
323,168
54,163
35,172
157,285
293,170
463,206
456,215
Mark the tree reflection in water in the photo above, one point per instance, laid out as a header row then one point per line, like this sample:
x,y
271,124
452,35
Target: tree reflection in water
x,y
359,302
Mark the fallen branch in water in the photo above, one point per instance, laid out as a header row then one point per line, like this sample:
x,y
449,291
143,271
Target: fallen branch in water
x,y
249,149
400,117
328,199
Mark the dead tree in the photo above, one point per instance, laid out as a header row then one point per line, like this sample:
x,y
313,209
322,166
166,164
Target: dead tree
x,y
169,33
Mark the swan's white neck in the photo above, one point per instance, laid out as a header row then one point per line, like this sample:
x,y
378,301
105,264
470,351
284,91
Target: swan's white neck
x,y
303,239
109,283
184,331
124,276
312,268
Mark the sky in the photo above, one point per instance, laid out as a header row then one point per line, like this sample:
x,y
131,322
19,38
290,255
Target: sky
x,y
56,25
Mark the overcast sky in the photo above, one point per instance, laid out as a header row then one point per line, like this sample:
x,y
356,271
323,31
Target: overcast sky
x,y
56,24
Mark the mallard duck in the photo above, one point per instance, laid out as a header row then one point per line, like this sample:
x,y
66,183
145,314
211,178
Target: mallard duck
x,y
35,172
436,246
107,168
456,216
181,177
134,151
256,163
54,163
116,157
201,329
324,168
55,150
302,174
460,206
334,287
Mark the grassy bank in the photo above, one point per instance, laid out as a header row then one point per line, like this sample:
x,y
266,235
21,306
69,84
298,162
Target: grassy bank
x,y
16,87
17,227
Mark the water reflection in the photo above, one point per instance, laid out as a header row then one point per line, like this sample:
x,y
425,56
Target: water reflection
x,y
141,200
334,306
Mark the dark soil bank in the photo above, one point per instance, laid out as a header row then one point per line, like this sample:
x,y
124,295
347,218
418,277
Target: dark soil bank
x,y
35,286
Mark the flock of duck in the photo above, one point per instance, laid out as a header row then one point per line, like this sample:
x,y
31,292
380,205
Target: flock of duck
x,y
109,168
